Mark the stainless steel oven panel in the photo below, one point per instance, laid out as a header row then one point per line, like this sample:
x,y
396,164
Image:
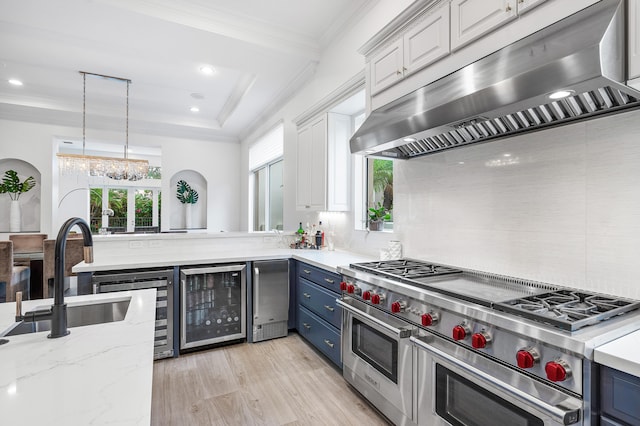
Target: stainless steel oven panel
x,y
394,400
551,405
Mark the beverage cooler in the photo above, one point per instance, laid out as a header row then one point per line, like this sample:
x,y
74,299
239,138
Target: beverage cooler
x,y
212,305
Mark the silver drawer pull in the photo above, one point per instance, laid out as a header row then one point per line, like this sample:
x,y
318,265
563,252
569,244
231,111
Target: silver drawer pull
x,y
328,343
329,308
329,280
307,295
307,326
306,271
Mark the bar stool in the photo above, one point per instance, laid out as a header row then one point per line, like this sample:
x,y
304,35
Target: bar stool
x,y
26,243
12,278
73,254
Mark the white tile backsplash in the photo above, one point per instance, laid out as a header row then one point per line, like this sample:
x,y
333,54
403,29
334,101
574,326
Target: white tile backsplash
x,y
560,205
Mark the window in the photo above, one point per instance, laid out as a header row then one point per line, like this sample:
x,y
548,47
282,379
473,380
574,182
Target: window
x,y
124,209
266,181
375,189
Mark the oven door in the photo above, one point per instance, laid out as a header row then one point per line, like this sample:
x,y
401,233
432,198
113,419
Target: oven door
x,y
459,387
377,358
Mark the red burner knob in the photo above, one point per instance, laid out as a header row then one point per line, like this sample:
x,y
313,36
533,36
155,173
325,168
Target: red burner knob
x,y
366,295
526,358
557,371
343,286
480,340
375,299
351,288
427,320
395,307
459,332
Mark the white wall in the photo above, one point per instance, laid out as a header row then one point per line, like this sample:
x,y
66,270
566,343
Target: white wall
x,y
36,144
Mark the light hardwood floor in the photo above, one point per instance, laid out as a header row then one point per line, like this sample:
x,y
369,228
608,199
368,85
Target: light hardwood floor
x,y
276,382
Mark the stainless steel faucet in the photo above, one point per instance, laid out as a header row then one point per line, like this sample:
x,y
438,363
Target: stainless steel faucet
x,y
58,312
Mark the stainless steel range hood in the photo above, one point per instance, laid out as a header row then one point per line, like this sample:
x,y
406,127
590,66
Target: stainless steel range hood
x,y
508,91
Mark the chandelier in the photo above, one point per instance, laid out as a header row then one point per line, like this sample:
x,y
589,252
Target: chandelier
x,y
111,167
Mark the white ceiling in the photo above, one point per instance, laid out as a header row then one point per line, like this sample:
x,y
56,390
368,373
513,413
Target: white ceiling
x,y
262,51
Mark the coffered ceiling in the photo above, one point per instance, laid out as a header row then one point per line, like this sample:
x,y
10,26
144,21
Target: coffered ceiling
x,y
261,50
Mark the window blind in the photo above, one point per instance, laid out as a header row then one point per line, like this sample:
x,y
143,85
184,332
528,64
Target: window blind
x,y
268,148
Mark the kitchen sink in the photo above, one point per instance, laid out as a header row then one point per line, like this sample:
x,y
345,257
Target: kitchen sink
x,y
78,315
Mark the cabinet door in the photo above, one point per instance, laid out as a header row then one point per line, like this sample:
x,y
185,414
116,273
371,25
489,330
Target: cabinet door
x,y
338,162
387,67
317,165
471,19
526,5
311,167
633,44
428,41
303,194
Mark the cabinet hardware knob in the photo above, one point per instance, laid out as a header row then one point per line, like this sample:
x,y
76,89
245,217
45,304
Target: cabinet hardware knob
x,y
329,280
508,9
328,343
307,326
329,308
307,295
398,72
306,271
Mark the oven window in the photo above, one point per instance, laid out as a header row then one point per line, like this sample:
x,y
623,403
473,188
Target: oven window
x,y
376,348
464,403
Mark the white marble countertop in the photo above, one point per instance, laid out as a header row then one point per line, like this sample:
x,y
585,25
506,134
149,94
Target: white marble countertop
x,y
622,354
97,375
325,259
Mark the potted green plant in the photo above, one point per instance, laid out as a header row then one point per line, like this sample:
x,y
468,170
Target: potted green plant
x,y
11,185
377,215
187,196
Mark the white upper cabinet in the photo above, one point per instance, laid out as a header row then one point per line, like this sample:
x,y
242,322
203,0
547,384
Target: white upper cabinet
x,y
423,43
526,5
633,44
471,19
387,66
324,164
311,189
427,42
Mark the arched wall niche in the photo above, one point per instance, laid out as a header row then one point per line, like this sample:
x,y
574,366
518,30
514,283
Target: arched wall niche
x,y
30,202
178,211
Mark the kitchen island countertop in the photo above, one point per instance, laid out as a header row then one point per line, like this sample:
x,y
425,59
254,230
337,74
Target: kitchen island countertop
x,y
99,374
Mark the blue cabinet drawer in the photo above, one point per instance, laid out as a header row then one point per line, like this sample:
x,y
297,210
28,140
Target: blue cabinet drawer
x,y
319,276
320,334
319,301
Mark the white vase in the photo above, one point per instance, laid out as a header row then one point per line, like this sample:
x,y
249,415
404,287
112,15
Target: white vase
x,y
14,216
188,210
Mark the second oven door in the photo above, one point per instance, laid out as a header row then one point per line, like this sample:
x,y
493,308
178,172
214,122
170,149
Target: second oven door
x,y
459,387
377,358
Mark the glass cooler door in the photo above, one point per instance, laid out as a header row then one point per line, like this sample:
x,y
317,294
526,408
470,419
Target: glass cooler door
x,y
213,305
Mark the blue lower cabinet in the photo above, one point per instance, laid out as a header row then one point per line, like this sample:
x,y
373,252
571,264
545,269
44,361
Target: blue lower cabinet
x,y
320,334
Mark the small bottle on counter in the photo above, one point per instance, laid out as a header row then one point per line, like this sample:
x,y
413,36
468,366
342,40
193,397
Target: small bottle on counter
x,y
321,230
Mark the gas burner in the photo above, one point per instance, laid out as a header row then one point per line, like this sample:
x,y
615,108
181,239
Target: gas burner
x,y
404,269
568,309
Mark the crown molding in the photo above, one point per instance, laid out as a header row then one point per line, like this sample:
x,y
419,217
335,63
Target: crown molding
x,y
347,89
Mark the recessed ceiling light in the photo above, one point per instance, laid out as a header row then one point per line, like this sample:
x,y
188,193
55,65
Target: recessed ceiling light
x,y
207,69
506,155
561,94
15,82
194,109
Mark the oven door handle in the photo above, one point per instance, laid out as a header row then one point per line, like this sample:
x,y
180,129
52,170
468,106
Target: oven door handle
x,y
564,415
400,332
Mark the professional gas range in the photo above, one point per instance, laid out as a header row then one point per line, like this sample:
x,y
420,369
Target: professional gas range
x,y
542,336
